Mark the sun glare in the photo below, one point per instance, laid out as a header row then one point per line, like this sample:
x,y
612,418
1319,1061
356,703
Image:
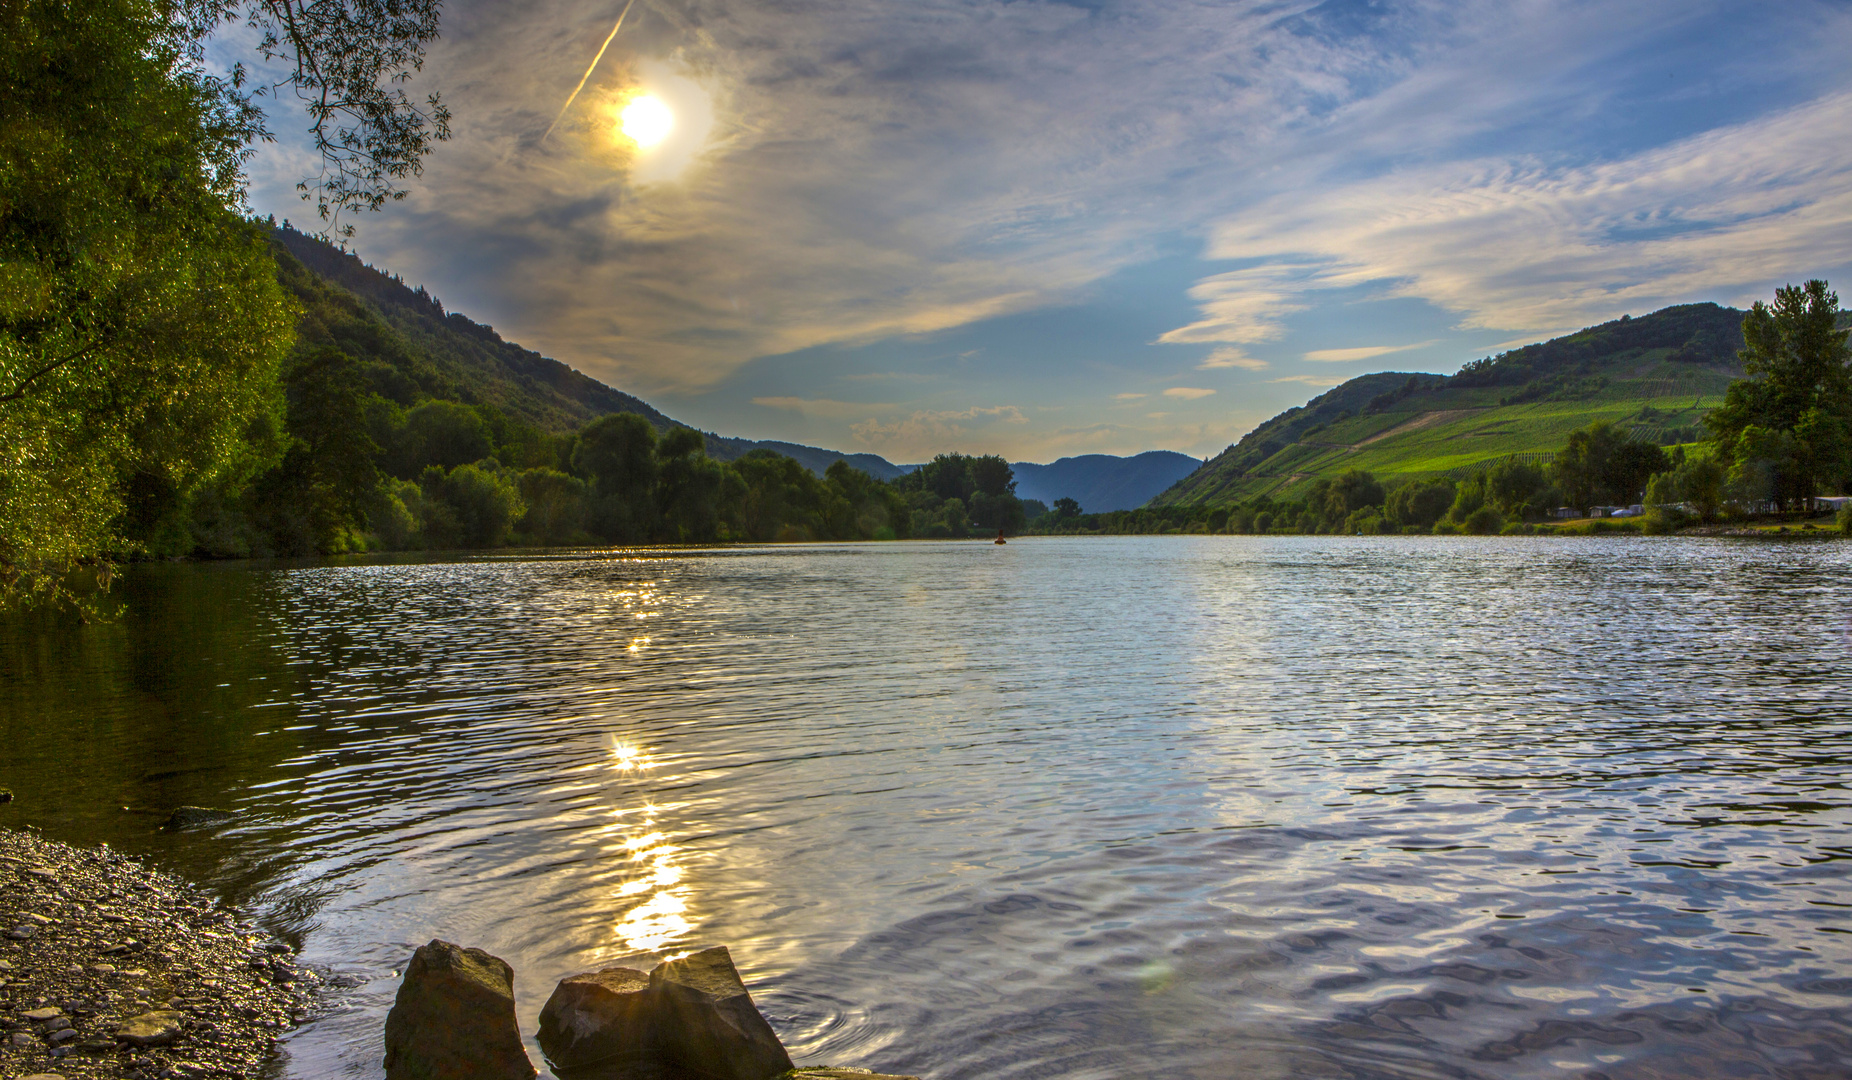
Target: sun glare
x,y
646,121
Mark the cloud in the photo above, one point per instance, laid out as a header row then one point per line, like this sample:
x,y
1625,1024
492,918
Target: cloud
x,y
1128,397
1188,393
883,168
1242,306
821,406
1312,380
1527,243
1227,356
1345,356
872,168
917,434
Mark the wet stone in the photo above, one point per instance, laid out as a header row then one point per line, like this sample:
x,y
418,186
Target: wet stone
x,y
454,1019
151,1028
181,946
600,1018
707,1020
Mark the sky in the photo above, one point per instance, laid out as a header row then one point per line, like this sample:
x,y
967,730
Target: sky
x,y
1042,228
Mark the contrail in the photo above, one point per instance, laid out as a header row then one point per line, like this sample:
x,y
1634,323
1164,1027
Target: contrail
x,y
589,70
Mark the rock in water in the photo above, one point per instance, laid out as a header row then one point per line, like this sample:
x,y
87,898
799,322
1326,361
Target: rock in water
x,y
840,1074
601,1018
706,1021
454,1019
198,817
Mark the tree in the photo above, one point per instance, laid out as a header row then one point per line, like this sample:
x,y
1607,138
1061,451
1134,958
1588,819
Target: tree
x,y
1602,462
688,488
555,505
1352,491
483,505
1782,431
1067,508
1518,489
141,324
441,433
1419,504
993,476
618,454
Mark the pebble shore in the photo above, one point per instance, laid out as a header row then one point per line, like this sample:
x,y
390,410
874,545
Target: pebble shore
x,y
110,969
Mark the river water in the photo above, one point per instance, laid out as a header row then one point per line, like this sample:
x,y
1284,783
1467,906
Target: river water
x,y
1192,807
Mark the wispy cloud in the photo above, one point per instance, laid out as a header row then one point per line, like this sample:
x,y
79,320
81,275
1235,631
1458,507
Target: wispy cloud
x,y
917,434
1128,397
1311,380
1188,393
822,406
1367,352
876,169
1525,243
1227,356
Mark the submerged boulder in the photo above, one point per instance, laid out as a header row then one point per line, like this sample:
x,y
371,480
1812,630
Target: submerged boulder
x,y
601,1019
454,1019
707,1022
839,1074
198,817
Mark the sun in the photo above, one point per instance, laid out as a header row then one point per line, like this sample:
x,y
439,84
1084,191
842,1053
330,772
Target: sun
x,y
646,121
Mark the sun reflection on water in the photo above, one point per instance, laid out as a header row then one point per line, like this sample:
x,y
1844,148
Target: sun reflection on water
x,y
651,897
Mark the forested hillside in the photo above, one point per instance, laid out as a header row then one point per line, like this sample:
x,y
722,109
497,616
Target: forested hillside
x,y
444,354
1655,376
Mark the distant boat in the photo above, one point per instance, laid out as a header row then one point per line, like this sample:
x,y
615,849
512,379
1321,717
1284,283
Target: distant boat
x,y
1000,538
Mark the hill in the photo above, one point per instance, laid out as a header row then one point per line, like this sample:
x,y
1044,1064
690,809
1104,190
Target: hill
x,y
1102,482
1657,375
412,347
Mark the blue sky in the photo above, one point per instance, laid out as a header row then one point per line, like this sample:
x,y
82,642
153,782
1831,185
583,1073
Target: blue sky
x,y
1041,229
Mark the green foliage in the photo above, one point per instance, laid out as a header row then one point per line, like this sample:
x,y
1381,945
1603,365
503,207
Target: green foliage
x,y
469,507
140,320
1693,488
556,504
1602,464
441,433
1485,521
1785,432
1420,504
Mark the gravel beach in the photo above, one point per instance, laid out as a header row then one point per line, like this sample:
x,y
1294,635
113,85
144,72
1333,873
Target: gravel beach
x,y
110,969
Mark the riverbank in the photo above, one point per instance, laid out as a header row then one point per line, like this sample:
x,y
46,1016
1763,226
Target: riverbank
x,y
111,969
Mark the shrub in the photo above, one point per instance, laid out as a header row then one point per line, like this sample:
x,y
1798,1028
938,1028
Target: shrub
x,y
1484,521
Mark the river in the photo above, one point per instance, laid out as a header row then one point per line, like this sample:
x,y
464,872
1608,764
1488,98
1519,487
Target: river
x,y
1085,808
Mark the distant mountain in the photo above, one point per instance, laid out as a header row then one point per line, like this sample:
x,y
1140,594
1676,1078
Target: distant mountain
x,y
816,459
1657,375
1101,482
